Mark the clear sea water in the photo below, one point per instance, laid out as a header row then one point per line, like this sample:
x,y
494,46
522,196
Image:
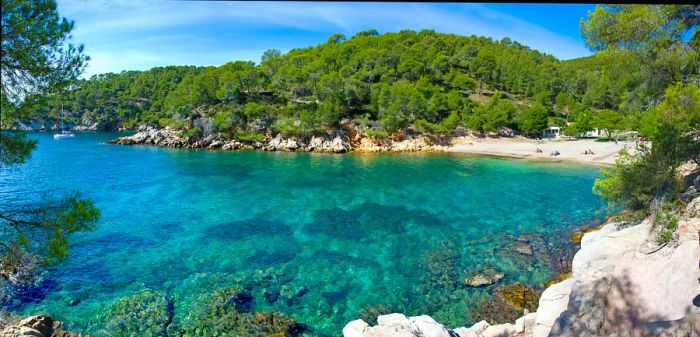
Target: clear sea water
x,y
338,232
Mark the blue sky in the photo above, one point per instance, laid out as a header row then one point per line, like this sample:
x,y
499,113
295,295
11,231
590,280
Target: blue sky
x,y
137,35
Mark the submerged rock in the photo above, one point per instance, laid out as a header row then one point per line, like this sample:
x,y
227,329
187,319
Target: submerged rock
x,y
271,296
523,248
145,313
219,314
519,296
483,279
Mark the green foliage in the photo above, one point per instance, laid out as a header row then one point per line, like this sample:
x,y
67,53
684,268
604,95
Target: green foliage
x,y
636,180
497,112
665,223
637,27
632,182
228,120
445,126
253,110
659,43
37,52
681,108
608,120
397,79
287,127
15,148
39,236
583,121
249,136
400,104
37,57
380,134
336,38
534,119
190,132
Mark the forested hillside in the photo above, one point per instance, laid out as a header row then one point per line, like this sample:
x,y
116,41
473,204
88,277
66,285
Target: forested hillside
x,y
386,82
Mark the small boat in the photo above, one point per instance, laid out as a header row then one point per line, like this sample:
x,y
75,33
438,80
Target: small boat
x,y
65,134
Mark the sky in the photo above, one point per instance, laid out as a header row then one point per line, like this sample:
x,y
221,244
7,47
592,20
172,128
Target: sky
x,y
138,35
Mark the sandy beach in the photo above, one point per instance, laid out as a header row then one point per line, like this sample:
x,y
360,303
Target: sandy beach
x,y
604,153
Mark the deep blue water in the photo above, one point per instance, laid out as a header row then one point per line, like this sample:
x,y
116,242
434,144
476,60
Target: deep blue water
x,y
352,231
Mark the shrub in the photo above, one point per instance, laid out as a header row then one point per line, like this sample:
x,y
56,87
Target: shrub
x,y
249,136
664,222
287,127
381,134
190,132
445,126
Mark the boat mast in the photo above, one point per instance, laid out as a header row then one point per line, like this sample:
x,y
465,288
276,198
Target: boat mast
x,y
61,115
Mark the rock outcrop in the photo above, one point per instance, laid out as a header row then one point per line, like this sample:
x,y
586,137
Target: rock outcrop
x,y
36,326
342,140
147,135
623,284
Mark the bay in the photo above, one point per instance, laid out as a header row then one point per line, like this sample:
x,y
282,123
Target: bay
x,y
330,235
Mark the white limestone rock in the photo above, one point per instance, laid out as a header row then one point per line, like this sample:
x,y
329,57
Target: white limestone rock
x,y
426,326
355,328
553,302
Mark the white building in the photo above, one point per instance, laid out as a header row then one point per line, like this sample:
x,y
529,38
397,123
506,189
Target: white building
x,y
551,132
595,133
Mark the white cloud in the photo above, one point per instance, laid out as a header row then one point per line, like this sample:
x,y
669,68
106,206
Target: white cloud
x,y
121,34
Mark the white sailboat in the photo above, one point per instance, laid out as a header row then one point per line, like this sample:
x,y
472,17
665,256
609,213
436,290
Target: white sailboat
x,y
64,133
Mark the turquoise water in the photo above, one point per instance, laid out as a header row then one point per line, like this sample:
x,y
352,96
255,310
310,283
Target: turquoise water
x,y
338,232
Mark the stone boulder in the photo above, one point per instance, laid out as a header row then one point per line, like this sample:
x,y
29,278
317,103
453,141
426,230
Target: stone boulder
x,y
35,326
398,325
692,210
523,248
483,279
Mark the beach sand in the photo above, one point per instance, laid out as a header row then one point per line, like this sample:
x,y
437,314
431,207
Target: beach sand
x,y
605,153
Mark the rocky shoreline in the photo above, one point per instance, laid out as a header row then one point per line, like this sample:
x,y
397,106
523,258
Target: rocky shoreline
x,y
344,139
623,283
352,137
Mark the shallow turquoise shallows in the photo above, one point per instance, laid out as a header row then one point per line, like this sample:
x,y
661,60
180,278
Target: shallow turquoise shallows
x,y
336,234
